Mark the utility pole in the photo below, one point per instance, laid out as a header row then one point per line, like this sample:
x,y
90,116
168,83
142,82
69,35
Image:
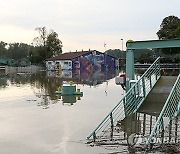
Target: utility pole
x,y
122,44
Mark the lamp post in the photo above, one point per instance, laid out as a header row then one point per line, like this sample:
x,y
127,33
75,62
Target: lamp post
x,y
122,44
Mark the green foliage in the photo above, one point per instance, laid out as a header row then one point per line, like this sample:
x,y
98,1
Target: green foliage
x,y
19,50
36,54
54,45
16,51
170,29
41,40
117,53
47,45
3,49
145,55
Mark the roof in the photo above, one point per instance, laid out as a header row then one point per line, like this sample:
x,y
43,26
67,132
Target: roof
x,y
69,55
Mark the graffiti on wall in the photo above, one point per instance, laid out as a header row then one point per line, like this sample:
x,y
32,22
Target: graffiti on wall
x,y
93,61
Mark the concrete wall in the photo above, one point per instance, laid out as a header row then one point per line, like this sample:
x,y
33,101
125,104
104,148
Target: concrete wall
x,y
29,69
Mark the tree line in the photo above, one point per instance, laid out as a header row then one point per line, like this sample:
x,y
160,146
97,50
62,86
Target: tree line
x,y
169,29
47,44
44,46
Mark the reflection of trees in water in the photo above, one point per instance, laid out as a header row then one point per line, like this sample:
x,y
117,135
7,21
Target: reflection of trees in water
x,y
3,82
45,84
46,89
39,81
42,86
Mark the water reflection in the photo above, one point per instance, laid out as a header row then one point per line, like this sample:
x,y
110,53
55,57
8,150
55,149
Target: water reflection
x,y
91,78
44,85
70,99
134,131
3,82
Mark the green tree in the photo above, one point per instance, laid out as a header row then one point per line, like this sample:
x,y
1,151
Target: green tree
x,y
41,39
3,50
117,53
34,55
19,50
170,29
54,44
47,44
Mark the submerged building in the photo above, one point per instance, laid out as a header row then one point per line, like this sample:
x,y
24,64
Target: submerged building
x,y
83,60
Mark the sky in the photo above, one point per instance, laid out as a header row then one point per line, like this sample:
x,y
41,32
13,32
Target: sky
x,y
85,24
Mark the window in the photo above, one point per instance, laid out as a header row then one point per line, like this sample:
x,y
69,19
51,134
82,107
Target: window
x,y
49,63
66,62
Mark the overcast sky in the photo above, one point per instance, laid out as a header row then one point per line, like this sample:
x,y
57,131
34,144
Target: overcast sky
x,y
85,24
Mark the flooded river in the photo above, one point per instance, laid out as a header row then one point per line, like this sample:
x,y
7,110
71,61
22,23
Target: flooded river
x,y
33,120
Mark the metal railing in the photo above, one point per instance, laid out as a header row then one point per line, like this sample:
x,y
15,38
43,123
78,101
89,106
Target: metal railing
x,y
131,101
170,109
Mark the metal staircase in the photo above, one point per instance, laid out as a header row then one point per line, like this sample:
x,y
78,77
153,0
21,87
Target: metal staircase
x,y
131,101
125,118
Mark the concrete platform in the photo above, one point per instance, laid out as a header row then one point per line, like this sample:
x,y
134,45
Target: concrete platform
x,y
154,102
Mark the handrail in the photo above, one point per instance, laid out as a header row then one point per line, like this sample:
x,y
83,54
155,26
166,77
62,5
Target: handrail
x,y
170,109
132,100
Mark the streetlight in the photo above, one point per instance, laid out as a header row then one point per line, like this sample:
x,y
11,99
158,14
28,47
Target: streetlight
x,y
122,44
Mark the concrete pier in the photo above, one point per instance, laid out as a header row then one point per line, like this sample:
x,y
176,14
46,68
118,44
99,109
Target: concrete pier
x,y
156,99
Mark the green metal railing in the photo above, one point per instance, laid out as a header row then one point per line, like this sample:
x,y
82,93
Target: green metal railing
x,y
170,109
131,101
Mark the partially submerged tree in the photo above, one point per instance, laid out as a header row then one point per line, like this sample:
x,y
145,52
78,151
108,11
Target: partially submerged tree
x,y
170,29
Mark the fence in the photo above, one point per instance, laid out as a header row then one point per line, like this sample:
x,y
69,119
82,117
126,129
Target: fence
x,y
171,108
131,101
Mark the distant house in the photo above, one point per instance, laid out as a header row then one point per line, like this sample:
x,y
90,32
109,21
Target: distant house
x,y
83,60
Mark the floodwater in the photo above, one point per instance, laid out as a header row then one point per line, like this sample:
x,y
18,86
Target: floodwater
x,y
33,120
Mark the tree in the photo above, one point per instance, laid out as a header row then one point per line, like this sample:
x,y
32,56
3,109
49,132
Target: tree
x,y
170,29
54,45
41,40
19,50
47,44
3,50
116,53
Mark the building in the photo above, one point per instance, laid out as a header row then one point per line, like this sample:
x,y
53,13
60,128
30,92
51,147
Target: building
x,y
83,60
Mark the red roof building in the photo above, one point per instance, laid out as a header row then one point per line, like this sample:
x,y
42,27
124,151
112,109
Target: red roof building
x,y
84,60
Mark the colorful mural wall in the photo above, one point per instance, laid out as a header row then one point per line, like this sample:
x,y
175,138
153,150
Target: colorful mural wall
x,y
93,61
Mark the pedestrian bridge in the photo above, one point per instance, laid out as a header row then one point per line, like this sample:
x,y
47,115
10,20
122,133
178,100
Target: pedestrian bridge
x,y
151,90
